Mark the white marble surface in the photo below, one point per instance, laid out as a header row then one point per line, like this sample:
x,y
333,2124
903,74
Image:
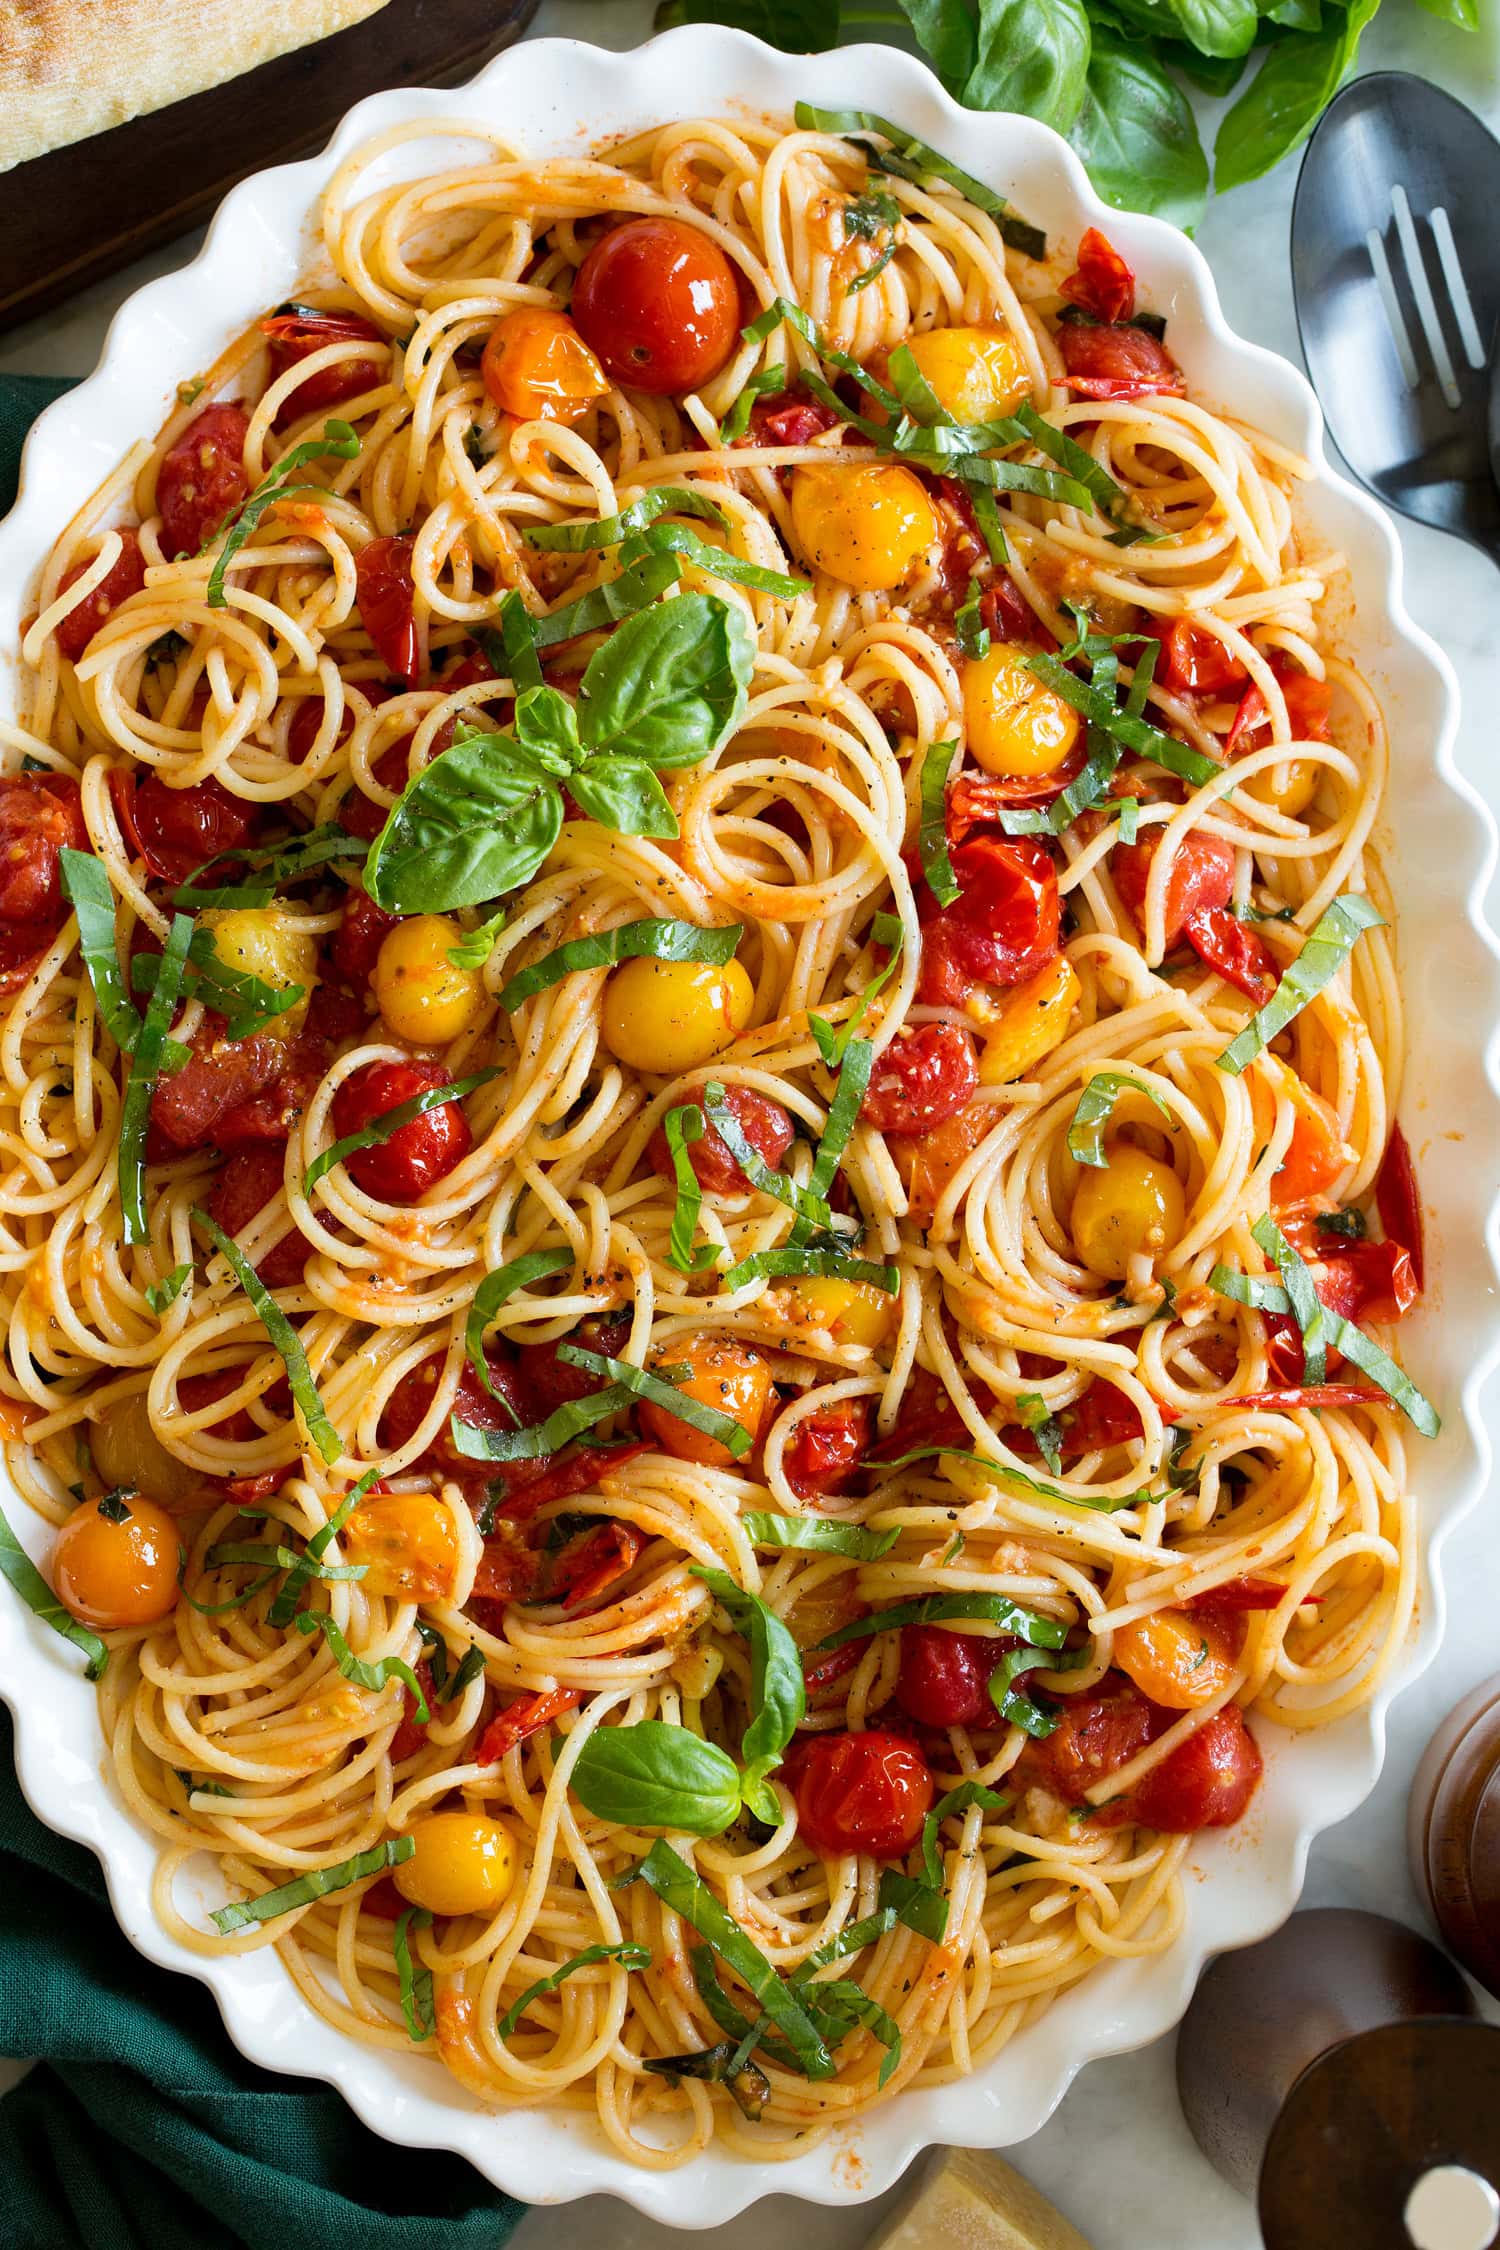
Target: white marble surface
x,y
1116,2157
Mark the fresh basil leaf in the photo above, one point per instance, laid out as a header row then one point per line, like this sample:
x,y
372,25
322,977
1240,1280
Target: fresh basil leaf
x,y
629,1956
843,1115
1109,498
968,624
1137,734
818,1535
662,500
494,1291
38,1596
415,1983
1136,131
746,2082
656,939
538,1439
654,1775
162,1295
932,837
1308,1309
520,636
1325,950
1095,1107
475,823
624,794
338,440
1286,97
1029,56
682,1127
1129,810
641,1383
475,946
1352,1223
766,380
145,1065
778,1696
670,684
359,1669
1465,13
998,1472
936,1609
390,1122
86,884
918,1900
315,1884
1013,1704
546,727
282,1334
1223,28
912,159
606,605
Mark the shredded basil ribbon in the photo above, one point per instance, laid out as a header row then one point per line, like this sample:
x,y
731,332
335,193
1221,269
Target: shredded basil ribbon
x,y
145,1063
641,1383
795,1260
654,1774
737,421
886,930
918,1900
1124,725
932,836
496,1287
282,1334
390,1122
656,939
309,1563
746,2083
162,1295
908,158
682,1128
538,1439
715,562
778,1691
1308,1309
1095,1105
999,1472
968,624
38,1596
247,1003
818,1535
315,1884
338,439
1324,952
635,589
1032,1409
779,1185
1014,1705
415,1983
475,946
269,869
608,531
934,1609
375,1676
629,1957
865,219
87,885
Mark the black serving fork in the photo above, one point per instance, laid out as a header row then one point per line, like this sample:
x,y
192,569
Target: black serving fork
x,y
1396,279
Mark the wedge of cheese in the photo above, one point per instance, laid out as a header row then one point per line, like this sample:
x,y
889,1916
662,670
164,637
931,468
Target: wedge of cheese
x,y
968,2199
69,68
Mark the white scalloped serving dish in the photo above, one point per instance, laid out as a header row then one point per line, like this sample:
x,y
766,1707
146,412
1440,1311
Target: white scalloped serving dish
x,y
555,95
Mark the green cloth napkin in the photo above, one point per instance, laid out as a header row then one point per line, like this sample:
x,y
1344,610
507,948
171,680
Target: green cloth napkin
x,y
142,2128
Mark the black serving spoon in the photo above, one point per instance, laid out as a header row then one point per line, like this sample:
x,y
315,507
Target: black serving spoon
x,y
1396,279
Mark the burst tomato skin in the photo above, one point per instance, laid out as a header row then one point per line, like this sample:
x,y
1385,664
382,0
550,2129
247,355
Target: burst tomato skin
x,y
249,1179
1360,1281
864,1792
926,1416
406,1409
1002,927
178,829
1399,1201
1095,1735
39,815
1240,955
1009,616
189,1107
555,1382
787,418
1201,877
1207,1782
1196,662
201,478
1308,702
417,1155
765,1125
657,302
1117,362
826,1448
384,596
944,1679
921,1079
1102,283
127,577
359,936
297,335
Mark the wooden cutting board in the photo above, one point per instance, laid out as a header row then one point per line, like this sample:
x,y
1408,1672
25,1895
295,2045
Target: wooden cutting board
x,y
88,209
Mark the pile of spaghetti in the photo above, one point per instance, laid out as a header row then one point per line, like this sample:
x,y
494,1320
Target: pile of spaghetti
x,y
699,1158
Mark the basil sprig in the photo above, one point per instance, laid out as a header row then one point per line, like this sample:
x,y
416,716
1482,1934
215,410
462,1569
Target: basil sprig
x,y
936,1609
145,1065
315,1884
918,1899
818,1535
492,1293
778,1695
1095,1107
390,1122
87,886
665,690
415,1984
657,939
642,1383
908,158
629,1956
932,835
38,1596
338,440
282,1334
1326,948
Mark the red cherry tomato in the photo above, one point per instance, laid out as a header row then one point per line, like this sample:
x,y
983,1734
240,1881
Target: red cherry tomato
x,y
219,1076
786,418
417,1155
926,1416
922,1078
596,1563
1095,1735
1239,954
765,1125
526,1716
268,1115
384,596
825,1450
1201,876
1009,616
39,814
194,1392
126,577
1102,284
944,1679
1236,1597
1398,1201
657,303
406,1409
1361,1281
1196,662
1002,927
201,478
1307,707
1117,362
250,1178
1103,1416
866,1792
359,937
555,1382
1207,1782
296,332
179,829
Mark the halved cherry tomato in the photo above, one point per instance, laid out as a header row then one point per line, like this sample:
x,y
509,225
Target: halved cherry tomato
x,y
417,1155
126,577
1196,662
658,303
220,1076
1102,284
825,1450
269,1114
1398,1201
39,814
1103,1416
555,1382
296,332
1117,362
406,1409
384,596
1178,1660
921,1079
765,1125
595,1564
1008,614
357,940
1310,1396
179,829
1307,708
1233,951
526,1716
944,1680
202,478
1201,876
1095,1735
249,1180
537,366
864,1792
787,418
1001,928
1207,1782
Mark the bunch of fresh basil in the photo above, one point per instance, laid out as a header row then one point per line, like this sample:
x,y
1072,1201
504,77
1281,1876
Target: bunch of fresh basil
x,y
1111,74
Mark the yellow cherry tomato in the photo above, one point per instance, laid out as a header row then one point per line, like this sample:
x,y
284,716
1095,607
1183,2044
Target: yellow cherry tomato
x,y
977,374
1032,1021
1135,1204
664,1017
128,1452
407,1544
112,1573
1177,1660
265,942
1287,788
537,367
422,996
865,526
464,1863
729,1377
1016,725
851,1311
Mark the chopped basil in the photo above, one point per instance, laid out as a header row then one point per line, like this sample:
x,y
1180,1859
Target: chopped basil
x,y
635,589
1308,1309
886,930
38,1596
315,1884
1080,465
309,1563
492,1293
1095,1106
778,1694
269,869
796,1259
145,1063
538,1439
1048,1433
282,1334
757,1171
161,1295
629,1957
608,531
819,1535
1325,950
682,1127
999,1472
677,539
737,421
359,1669
707,1420
475,946
656,939
87,885
745,2081
338,439
865,220
390,1122
968,623
933,833
918,1899
1129,809
935,1609
1351,1223
416,1984
1122,724
247,1003
908,158
1013,1704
